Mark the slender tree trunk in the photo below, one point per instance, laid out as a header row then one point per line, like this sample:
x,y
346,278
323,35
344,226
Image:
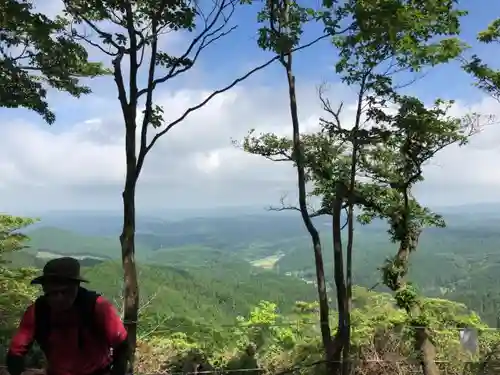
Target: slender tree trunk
x,y
421,335
127,237
346,364
423,343
338,259
427,351
324,310
127,240
298,155
131,289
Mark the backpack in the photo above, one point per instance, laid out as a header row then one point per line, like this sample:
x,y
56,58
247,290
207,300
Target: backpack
x,y
85,304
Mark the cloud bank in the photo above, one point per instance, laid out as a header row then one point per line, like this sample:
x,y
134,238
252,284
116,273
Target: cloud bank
x,y
79,163
82,165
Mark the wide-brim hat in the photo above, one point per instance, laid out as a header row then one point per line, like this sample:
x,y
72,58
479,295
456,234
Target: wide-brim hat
x,y
65,269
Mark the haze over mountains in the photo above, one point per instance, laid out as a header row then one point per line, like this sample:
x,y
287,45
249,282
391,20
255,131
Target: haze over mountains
x,y
95,222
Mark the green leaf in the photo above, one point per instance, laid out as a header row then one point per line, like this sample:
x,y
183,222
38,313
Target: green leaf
x,y
487,78
38,54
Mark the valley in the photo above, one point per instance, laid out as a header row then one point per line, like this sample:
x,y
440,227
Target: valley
x,y
214,285
460,262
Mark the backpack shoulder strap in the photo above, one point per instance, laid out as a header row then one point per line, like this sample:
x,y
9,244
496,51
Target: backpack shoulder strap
x,y
86,302
42,323
86,299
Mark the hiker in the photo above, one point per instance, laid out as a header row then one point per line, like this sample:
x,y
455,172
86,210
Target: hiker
x,y
79,331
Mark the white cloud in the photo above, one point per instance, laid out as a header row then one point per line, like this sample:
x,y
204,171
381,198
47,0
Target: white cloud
x,y
474,166
83,165
75,156
80,161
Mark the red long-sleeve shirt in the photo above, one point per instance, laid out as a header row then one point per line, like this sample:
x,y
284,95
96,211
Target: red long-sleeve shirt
x,y
65,356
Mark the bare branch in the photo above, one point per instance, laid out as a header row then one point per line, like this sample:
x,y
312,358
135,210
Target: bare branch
x,y
96,45
150,300
155,328
286,207
327,107
157,136
207,37
122,94
394,68
276,159
24,54
473,123
411,81
149,99
106,37
283,208
86,38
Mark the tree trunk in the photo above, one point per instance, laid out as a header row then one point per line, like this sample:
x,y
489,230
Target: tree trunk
x,y
426,350
324,310
127,237
127,241
422,341
346,364
131,288
331,350
338,259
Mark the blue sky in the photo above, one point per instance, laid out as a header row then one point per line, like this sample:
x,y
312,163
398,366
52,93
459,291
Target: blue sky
x,y
242,48
78,162
238,51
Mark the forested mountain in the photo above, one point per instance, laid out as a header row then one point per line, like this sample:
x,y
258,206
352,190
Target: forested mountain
x,y
212,295
457,262
199,291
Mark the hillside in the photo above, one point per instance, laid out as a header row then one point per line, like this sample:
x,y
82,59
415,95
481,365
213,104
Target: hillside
x,y
57,240
192,294
257,231
200,258
454,262
211,293
207,295
52,239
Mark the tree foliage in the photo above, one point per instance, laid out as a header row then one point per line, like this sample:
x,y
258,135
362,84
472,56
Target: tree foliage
x,y
36,54
396,165
15,291
384,39
266,340
487,77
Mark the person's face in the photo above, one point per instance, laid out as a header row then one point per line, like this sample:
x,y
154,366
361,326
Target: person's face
x,y
60,296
